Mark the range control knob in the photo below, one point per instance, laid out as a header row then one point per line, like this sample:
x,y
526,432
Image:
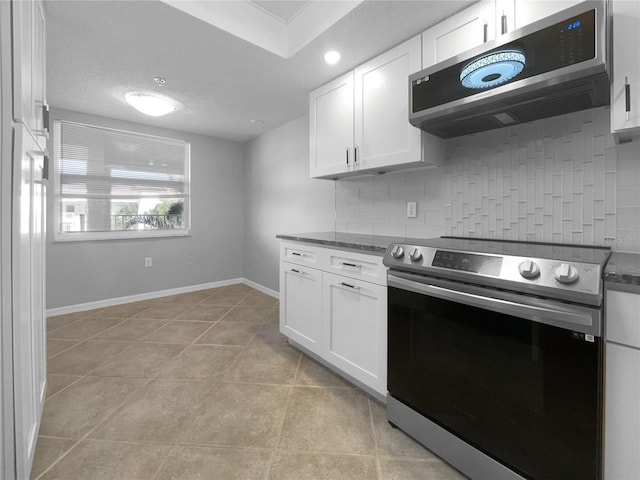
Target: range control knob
x,y
529,269
565,273
397,252
415,255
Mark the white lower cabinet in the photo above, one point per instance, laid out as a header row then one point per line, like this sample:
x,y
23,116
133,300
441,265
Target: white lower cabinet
x,y
355,333
301,304
622,386
622,427
337,310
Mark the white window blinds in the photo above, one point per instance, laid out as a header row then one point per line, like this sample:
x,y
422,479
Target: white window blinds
x,y
114,184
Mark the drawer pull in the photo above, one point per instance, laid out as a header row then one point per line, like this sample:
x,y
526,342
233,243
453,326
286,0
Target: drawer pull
x,y
296,271
347,264
297,254
349,285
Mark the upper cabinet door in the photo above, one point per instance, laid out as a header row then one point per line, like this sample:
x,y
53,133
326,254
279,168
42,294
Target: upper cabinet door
x,y
463,31
625,81
518,13
383,135
331,128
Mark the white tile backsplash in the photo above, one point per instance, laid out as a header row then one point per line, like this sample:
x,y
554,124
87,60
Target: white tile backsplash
x,y
554,180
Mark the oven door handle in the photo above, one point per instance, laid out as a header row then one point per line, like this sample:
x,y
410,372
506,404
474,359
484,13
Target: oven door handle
x,y
568,317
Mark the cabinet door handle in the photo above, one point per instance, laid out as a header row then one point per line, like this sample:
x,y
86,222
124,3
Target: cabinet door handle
x,y
627,98
503,21
294,270
485,32
347,264
297,254
347,153
45,117
350,286
355,155
45,168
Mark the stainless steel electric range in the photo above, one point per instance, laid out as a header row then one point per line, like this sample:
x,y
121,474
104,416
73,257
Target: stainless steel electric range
x,y
495,355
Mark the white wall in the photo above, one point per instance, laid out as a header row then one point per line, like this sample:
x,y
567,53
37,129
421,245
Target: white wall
x,y
281,198
81,272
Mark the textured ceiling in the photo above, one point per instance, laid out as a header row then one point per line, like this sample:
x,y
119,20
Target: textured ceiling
x,y
99,50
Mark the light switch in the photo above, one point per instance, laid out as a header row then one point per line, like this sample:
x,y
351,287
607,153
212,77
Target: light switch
x,y
411,209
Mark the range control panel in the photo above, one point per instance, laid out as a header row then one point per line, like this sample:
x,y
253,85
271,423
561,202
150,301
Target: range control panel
x,y
468,262
580,282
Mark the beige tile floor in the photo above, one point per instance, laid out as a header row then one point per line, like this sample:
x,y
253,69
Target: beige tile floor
x,y
203,386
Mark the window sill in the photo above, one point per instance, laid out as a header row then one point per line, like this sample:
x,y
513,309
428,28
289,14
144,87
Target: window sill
x,y
101,236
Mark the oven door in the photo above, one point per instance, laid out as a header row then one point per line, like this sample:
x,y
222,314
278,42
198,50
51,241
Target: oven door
x,y
518,378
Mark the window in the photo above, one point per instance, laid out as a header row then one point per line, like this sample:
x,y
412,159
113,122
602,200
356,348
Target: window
x,y
115,184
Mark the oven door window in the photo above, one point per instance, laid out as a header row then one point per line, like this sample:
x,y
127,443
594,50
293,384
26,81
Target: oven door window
x,y
525,393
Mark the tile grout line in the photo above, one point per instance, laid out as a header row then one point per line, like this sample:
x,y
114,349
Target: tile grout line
x,y
375,441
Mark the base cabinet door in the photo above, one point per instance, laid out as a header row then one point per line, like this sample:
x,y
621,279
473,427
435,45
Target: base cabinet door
x,y
622,414
355,329
301,305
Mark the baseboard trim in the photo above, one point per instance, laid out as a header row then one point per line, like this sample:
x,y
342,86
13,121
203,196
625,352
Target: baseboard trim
x,y
263,289
110,302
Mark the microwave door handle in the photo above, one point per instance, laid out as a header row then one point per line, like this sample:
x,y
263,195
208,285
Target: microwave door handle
x,y
548,315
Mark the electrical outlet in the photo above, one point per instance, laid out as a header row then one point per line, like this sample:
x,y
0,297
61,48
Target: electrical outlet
x,y
148,262
411,210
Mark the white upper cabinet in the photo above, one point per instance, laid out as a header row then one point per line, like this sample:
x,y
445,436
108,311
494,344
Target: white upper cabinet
x,y
29,68
383,135
463,31
625,75
514,14
359,123
331,127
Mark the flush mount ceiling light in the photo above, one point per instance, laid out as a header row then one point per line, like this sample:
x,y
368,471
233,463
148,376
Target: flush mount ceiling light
x,y
493,69
153,105
332,57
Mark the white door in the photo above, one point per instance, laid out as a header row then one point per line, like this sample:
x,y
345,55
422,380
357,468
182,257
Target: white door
x,y
331,127
355,329
29,64
625,82
301,305
463,31
622,416
29,345
383,135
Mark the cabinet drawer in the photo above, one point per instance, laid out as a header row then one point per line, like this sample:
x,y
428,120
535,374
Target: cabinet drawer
x,y
356,265
623,318
300,253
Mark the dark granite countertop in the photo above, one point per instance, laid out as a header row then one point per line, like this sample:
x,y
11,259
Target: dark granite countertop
x,y
623,272
375,244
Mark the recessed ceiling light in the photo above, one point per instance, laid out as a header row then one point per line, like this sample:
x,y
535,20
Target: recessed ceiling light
x,y
152,105
332,57
257,121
